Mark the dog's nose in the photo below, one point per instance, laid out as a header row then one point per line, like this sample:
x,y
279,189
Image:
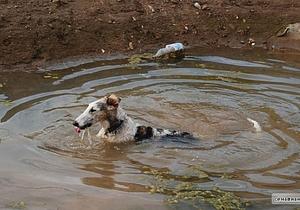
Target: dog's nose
x,y
75,123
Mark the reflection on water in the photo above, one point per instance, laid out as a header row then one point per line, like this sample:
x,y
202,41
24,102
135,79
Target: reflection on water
x,y
210,94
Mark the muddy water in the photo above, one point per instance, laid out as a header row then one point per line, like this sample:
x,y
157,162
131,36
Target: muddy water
x,y
43,164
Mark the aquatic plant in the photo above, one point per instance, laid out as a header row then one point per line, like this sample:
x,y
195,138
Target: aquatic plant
x,y
16,205
6,102
187,191
139,58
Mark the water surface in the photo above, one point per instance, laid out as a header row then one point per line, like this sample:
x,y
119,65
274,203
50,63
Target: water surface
x,y
209,93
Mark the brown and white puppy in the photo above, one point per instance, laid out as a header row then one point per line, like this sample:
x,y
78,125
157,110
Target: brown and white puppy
x,y
116,125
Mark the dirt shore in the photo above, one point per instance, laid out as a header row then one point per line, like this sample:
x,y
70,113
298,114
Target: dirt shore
x,y
36,31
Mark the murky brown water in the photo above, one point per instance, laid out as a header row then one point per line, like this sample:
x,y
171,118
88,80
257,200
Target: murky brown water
x,y
44,165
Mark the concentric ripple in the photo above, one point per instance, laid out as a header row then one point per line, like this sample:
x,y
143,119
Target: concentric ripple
x,y
208,94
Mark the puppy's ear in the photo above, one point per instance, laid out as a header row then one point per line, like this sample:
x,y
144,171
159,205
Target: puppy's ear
x,y
113,100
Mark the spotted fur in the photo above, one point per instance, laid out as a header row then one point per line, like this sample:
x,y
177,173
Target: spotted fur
x,y
116,125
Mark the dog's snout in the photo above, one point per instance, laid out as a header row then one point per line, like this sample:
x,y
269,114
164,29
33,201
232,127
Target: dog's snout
x,y
76,124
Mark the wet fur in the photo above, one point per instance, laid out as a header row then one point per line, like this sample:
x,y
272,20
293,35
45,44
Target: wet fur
x,y
116,125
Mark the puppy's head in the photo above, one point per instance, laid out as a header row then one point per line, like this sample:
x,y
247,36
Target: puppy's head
x,y
98,111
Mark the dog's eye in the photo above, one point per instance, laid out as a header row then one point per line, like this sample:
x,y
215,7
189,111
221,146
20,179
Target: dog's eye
x,y
92,110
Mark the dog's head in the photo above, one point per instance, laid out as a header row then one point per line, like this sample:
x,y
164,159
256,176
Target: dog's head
x,y
98,111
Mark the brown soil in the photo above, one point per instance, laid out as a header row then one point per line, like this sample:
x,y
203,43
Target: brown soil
x,y
35,31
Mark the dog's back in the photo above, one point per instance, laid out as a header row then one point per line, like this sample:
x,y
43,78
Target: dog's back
x,y
146,132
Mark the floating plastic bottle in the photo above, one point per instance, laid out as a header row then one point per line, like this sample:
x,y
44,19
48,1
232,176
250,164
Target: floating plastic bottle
x,y
170,48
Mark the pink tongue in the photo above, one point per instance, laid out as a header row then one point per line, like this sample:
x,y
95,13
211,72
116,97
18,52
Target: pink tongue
x,y
77,130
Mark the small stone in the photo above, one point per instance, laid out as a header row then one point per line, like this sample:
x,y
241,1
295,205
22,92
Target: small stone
x,y
130,45
117,148
58,2
197,5
152,191
204,7
251,42
151,8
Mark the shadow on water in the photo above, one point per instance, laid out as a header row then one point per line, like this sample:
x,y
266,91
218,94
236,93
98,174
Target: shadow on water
x,y
211,94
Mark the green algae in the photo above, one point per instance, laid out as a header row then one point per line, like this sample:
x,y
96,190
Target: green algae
x,y
139,58
16,205
200,65
219,199
6,102
227,176
187,191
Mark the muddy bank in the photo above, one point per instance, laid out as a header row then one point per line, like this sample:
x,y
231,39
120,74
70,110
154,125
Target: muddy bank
x,y
37,31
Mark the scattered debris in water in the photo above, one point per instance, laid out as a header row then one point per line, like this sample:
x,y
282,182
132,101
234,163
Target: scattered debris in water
x,y
191,192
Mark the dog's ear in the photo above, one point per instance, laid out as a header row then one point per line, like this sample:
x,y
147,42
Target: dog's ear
x,y
113,100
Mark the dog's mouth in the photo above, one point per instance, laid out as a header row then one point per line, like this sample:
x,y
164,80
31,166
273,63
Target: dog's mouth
x,y
79,128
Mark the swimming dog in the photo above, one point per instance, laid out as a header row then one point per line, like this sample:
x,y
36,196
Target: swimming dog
x,y
116,125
